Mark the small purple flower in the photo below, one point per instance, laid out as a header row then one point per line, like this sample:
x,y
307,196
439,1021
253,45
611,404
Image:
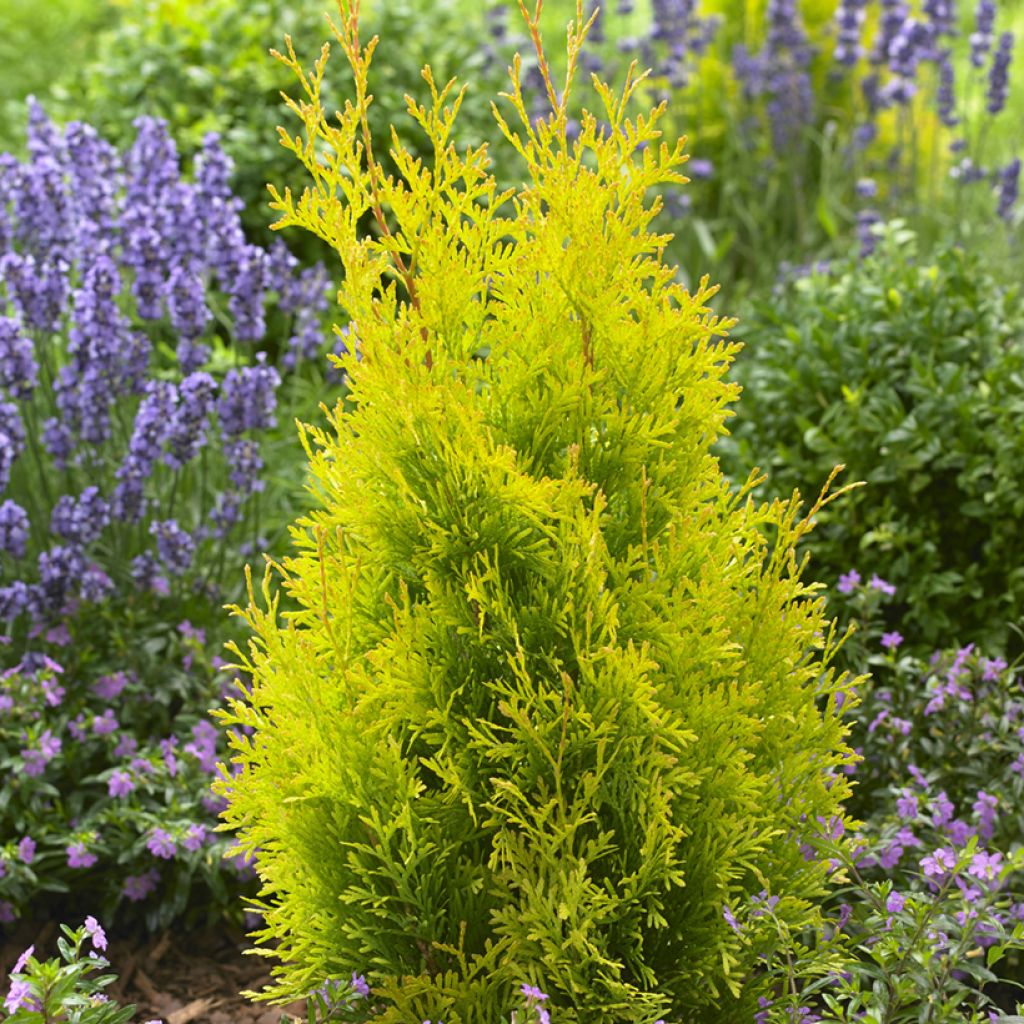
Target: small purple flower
x,y
890,641
845,913
96,933
194,838
942,810
849,582
906,806
161,844
985,866
22,961
37,758
891,856
939,863
110,687
895,902
19,995
138,887
26,849
105,724
877,583
167,748
730,920
79,856
358,985
985,808
120,784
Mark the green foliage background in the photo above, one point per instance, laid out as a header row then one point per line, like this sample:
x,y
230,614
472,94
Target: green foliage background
x,y
909,369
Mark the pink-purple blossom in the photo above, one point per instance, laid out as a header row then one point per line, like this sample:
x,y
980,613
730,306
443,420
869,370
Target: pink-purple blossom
x,y
120,783
96,933
79,856
161,844
939,863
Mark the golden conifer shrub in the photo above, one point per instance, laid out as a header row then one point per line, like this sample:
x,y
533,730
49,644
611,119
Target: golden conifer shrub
x,y
536,699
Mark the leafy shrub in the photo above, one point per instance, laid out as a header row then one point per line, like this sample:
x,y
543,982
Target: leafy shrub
x,y
908,369
204,65
539,705
135,421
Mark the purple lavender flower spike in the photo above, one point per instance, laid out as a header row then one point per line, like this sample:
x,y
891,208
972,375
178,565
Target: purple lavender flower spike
x,y
175,547
243,456
80,521
19,371
246,286
186,435
248,398
14,527
946,98
38,288
849,21
186,303
1009,185
95,171
59,569
153,422
44,210
941,17
981,37
999,75
12,440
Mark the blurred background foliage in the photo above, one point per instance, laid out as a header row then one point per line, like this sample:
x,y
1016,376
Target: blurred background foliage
x,y
763,194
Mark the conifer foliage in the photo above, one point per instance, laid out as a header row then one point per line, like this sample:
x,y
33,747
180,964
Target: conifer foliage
x,y
537,699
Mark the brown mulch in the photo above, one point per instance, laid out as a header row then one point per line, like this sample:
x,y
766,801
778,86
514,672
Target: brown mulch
x,y
177,977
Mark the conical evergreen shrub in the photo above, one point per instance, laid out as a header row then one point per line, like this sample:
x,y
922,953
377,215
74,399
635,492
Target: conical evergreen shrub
x,y
537,699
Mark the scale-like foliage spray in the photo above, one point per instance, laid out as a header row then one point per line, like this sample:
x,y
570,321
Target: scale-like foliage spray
x,y
537,699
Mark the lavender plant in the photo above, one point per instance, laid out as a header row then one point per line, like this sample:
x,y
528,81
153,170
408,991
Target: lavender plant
x,y
812,122
907,369
142,345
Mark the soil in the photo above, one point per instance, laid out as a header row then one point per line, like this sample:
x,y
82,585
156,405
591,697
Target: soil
x,y
175,977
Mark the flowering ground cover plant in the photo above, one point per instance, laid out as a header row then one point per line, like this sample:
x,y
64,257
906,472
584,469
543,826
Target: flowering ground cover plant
x,y
65,989
142,343
909,370
533,702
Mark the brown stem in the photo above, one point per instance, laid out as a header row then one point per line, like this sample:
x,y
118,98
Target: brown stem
x,y
373,170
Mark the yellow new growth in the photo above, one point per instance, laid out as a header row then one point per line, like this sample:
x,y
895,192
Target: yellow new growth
x,y
445,238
